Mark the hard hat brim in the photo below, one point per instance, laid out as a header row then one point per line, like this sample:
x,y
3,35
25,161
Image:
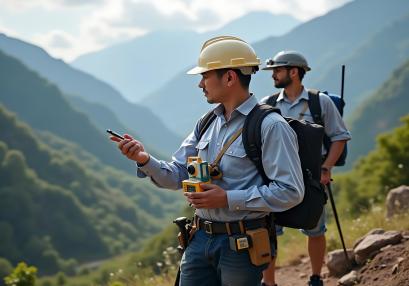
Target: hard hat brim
x,y
197,70
267,68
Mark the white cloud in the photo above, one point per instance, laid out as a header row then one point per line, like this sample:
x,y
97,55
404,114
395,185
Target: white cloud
x,y
18,5
149,16
9,32
105,22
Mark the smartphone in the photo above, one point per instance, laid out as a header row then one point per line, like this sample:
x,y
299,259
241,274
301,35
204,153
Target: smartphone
x,y
113,133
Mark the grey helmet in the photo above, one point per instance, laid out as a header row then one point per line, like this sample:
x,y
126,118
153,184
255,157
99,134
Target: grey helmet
x,y
287,58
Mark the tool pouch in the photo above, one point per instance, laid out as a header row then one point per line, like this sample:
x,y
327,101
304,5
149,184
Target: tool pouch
x,y
260,249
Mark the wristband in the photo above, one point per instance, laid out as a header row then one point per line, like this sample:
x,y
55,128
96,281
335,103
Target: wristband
x,y
143,164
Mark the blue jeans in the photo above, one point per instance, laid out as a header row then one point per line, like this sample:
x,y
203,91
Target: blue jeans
x,y
208,261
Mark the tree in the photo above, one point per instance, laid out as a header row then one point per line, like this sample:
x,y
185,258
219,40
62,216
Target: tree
x,y
382,169
5,268
22,275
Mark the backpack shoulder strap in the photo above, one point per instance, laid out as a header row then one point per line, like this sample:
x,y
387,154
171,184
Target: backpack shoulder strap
x,y
204,123
272,99
251,135
315,106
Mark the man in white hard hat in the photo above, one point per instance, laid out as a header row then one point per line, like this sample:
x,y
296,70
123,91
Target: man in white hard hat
x,y
289,68
236,202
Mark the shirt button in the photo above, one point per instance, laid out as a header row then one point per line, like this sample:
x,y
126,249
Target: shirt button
x,y
237,208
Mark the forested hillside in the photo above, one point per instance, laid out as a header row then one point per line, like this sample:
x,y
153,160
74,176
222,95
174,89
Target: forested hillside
x,y
73,82
42,105
56,207
380,112
384,168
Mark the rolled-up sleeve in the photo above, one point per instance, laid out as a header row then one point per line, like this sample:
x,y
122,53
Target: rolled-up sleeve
x,y
334,125
282,166
170,174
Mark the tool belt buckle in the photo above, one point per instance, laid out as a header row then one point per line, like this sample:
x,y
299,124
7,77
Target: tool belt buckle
x,y
208,227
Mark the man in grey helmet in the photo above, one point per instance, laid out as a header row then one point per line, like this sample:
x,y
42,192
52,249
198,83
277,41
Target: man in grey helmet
x,y
289,68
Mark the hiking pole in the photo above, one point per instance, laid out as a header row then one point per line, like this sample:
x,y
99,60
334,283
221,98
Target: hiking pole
x,y
334,210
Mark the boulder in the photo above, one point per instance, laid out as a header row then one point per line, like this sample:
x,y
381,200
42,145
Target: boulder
x,y
397,201
372,244
336,263
373,231
349,280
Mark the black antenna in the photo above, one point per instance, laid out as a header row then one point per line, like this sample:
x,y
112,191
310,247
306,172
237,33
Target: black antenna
x,y
342,81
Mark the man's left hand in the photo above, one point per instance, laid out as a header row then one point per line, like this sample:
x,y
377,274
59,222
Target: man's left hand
x,y
213,197
325,176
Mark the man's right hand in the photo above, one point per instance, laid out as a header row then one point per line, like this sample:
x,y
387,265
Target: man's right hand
x,y
132,149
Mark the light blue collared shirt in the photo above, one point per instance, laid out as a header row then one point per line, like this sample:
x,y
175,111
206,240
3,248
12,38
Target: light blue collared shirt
x,y
248,197
334,126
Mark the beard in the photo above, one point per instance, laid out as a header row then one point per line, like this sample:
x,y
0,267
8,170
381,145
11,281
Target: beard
x,y
284,82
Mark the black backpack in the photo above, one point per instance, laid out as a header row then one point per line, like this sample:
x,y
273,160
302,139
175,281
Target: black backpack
x,y
315,109
306,214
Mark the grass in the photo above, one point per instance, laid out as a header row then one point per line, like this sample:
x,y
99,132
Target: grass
x,y
129,270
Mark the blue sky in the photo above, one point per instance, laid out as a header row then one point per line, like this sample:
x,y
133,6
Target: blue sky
x,y
69,28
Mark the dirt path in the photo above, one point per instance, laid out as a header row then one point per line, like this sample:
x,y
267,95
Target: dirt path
x,y
298,275
390,267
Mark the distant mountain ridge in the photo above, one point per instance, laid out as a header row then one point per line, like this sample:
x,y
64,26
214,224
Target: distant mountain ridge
x,y
339,37
139,66
72,82
330,40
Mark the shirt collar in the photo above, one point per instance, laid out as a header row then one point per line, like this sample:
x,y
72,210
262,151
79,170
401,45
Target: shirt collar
x,y
243,108
303,95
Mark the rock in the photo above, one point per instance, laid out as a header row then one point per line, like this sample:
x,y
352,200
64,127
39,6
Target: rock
x,y
386,247
336,263
373,231
350,279
397,201
395,268
305,260
303,275
372,244
325,273
400,259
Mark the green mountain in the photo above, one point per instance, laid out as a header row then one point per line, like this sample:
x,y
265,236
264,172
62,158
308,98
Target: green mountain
x,y
136,119
370,64
380,112
340,36
42,105
59,206
330,40
139,66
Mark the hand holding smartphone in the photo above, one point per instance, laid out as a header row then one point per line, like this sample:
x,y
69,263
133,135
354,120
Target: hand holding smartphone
x,y
113,133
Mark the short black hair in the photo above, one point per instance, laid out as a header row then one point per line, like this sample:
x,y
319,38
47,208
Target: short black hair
x,y
244,79
301,71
